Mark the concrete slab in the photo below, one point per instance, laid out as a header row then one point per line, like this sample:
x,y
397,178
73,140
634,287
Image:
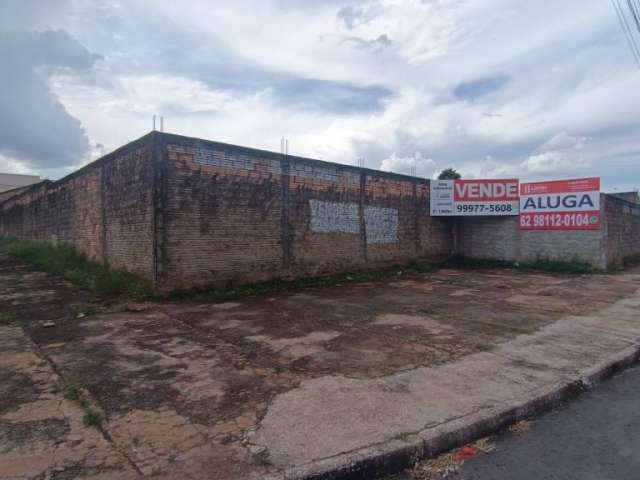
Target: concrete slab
x,y
305,381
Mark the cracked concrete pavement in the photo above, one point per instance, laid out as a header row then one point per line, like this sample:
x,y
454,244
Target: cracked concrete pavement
x,y
288,384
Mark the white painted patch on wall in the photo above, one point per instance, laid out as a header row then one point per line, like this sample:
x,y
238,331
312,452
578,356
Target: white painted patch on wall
x,y
334,217
381,224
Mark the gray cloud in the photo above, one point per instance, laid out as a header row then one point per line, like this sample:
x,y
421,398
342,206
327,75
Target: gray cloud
x,y
479,88
357,13
151,43
376,45
36,128
23,14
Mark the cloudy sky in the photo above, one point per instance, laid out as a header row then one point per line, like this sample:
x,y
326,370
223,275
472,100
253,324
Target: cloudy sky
x,y
494,88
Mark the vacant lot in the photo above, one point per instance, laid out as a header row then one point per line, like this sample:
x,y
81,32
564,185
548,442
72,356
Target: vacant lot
x,y
182,386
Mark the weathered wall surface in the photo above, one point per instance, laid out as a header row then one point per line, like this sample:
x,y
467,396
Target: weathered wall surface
x,y
569,246
103,209
222,216
493,238
7,194
127,191
622,230
188,213
500,238
235,214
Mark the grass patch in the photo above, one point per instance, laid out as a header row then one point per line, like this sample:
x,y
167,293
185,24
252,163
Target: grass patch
x,y
72,392
465,263
8,319
231,291
66,262
92,419
560,267
551,266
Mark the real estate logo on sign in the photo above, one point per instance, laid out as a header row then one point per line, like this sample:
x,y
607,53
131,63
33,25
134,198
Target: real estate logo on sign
x,y
561,205
474,197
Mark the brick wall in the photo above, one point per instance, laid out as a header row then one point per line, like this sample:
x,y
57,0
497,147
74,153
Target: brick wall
x,y
494,238
105,210
127,198
221,217
7,194
622,230
500,238
235,214
187,213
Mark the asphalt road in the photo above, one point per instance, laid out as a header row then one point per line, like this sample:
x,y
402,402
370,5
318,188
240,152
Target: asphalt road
x,y
595,437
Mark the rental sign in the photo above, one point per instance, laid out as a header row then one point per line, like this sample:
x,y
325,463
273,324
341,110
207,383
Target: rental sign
x,y
474,197
560,205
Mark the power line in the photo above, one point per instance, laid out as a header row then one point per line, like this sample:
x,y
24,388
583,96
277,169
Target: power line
x,y
628,29
628,33
634,13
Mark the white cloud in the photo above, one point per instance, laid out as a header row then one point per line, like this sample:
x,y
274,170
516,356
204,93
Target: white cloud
x,y
562,153
415,165
216,72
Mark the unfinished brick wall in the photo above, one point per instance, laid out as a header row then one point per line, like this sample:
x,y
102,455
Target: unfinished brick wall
x,y
500,238
491,238
221,216
235,214
105,210
61,212
7,194
622,230
188,213
127,197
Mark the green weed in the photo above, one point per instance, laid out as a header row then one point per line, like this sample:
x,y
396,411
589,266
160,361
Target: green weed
x,y
72,392
92,419
66,262
231,291
541,265
8,319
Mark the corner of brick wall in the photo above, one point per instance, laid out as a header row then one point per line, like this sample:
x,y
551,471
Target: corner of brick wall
x,y
104,210
622,230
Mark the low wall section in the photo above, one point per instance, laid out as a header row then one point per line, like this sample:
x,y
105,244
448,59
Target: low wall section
x,y
235,214
105,210
188,213
500,238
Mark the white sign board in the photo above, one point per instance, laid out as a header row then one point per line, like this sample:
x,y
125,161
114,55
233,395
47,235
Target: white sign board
x,y
474,197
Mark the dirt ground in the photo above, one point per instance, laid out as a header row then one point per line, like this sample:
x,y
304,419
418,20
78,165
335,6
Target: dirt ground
x,y
181,385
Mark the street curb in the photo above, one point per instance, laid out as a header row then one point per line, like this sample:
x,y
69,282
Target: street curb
x,y
400,453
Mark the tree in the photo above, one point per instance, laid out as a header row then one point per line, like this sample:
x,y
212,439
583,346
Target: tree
x,y
449,174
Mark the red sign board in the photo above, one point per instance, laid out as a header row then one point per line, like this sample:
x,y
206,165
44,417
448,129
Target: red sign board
x,y
560,205
485,190
474,197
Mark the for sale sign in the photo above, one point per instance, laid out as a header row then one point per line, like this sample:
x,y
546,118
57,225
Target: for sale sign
x,y
474,197
561,205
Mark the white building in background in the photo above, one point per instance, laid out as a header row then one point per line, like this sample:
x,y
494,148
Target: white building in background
x,y
9,181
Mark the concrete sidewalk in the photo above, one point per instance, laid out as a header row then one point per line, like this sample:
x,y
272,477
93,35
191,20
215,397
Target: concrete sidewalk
x,y
338,424
317,383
